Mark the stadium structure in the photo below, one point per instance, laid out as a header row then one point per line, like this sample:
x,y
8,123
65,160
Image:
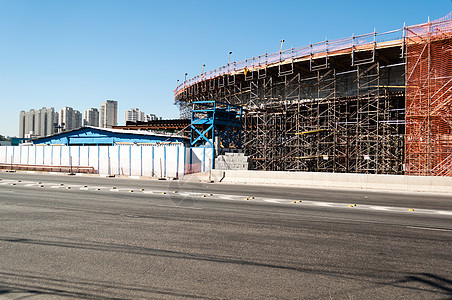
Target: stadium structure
x,y
377,103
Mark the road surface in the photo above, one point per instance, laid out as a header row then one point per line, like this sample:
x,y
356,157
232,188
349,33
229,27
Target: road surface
x,y
84,237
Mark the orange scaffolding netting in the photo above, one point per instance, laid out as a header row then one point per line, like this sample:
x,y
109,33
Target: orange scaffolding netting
x,y
428,140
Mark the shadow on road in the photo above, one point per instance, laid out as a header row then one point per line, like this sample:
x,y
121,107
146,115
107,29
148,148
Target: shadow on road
x,y
11,283
25,286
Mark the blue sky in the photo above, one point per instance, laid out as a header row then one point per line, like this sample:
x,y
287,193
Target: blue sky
x,y
79,53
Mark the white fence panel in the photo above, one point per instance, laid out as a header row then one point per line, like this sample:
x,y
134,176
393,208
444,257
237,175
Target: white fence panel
x,y
65,156
124,160
32,155
104,161
136,162
93,160
159,162
208,159
170,161
22,155
201,159
17,155
8,153
57,150
155,161
112,160
84,156
75,156
4,154
39,155
182,161
148,162
48,155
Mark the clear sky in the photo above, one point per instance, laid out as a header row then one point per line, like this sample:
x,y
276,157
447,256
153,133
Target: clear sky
x,y
80,53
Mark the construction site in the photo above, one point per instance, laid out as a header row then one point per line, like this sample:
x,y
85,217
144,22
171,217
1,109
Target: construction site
x,y
377,103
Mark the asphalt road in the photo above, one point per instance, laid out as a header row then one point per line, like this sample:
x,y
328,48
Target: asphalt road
x,y
102,238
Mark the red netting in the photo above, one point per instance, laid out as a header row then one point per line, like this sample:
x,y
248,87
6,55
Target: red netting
x,y
429,99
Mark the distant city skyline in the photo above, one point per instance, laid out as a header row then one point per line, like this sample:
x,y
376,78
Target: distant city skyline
x,y
37,123
136,115
45,122
133,115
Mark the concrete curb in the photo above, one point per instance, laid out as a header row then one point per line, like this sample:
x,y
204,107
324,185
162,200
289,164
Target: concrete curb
x,y
374,182
343,181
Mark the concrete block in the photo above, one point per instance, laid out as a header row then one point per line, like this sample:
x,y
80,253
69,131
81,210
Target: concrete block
x,y
337,180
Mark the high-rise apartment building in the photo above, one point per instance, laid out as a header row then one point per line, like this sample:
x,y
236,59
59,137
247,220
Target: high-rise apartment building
x,y
66,117
37,123
108,114
69,118
91,117
22,124
151,117
134,115
47,121
78,119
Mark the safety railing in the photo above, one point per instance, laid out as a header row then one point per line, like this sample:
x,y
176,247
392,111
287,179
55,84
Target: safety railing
x,y
324,47
261,61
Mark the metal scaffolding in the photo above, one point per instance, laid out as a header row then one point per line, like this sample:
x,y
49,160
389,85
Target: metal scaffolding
x,y
428,99
334,106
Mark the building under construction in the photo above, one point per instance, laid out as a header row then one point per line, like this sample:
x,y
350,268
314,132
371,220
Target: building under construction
x,y
376,103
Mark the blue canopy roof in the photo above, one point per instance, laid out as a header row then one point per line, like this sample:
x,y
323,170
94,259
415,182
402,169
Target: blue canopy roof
x,y
94,136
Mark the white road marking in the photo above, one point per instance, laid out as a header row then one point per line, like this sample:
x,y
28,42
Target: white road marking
x,y
241,198
443,212
428,228
273,200
379,208
226,197
323,204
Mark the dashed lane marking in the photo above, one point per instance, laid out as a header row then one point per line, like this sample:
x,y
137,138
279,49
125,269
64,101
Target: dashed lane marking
x,y
225,197
274,200
238,198
430,228
380,208
323,204
443,212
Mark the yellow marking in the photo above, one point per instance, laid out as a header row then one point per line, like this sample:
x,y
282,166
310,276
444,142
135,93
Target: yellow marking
x,y
310,131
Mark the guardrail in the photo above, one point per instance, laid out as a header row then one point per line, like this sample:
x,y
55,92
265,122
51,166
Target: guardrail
x,y
353,42
294,53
